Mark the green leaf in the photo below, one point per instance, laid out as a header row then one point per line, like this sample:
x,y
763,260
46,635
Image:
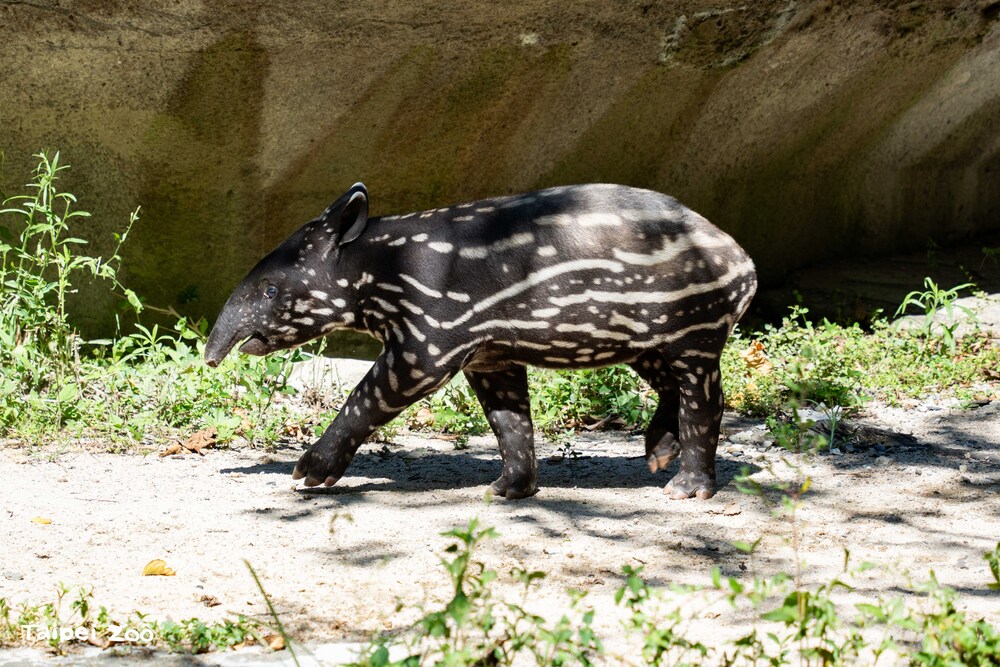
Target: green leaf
x,y
872,610
68,393
786,614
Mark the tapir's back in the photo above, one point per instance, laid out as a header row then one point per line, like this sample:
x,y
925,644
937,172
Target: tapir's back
x,y
612,266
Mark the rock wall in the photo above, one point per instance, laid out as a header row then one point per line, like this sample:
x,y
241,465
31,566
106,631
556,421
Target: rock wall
x,y
808,129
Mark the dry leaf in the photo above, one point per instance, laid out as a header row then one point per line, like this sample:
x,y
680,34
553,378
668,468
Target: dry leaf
x,y
42,520
756,358
424,418
209,600
204,439
597,424
157,567
172,449
275,642
732,509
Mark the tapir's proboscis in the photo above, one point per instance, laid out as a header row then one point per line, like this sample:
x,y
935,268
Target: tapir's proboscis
x,y
576,276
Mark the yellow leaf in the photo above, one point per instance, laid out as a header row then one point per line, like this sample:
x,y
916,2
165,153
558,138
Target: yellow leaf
x,y
756,358
157,567
276,642
42,520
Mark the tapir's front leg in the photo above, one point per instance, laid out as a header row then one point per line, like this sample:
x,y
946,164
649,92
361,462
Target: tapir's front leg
x,y
392,385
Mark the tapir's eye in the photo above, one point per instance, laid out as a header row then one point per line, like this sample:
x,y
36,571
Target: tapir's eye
x,y
270,291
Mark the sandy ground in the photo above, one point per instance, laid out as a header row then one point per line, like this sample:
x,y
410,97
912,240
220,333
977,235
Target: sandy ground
x,y
919,490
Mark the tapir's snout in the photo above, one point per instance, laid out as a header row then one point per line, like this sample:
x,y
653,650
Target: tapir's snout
x,y
215,350
222,339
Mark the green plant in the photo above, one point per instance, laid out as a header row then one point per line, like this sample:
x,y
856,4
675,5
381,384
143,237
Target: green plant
x,y
932,300
54,625
664,639
39,264
562,400
474,629
452,409
991,254
993,560
842,367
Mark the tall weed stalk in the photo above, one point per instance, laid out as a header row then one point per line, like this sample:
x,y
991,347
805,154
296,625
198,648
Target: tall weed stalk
x,y
40,264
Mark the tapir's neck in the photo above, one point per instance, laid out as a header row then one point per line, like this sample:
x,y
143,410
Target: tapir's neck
x,y
357,271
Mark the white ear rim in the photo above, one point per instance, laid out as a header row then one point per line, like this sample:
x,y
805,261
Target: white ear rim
x,y
354,231
357,191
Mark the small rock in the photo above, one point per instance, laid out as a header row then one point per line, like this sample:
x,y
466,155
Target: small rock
x,y
11,575
850,448
883,460
964,467
836,451
750,435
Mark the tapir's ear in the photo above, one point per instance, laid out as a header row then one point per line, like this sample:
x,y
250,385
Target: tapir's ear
x,y
348,215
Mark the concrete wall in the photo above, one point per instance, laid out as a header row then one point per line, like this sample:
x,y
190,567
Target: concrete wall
x,y
807,129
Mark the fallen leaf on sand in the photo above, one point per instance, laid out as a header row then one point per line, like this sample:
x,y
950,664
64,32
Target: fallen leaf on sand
x,y
157,567
172,449
42,520
203,439
276,642
732,509
209,600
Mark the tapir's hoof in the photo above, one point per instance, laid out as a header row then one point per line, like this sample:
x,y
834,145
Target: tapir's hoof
x,y
662,455
313,466
690,485
513,490
312,481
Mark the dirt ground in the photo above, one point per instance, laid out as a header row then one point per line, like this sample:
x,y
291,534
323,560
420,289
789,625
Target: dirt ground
x,y
916,488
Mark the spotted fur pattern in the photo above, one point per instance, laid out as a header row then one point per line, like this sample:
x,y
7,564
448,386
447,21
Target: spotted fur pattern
x,y
568,277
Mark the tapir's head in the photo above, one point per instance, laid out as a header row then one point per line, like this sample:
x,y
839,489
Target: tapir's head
x,y
292,295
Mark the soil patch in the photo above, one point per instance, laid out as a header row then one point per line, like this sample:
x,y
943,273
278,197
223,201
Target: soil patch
x,y
916,487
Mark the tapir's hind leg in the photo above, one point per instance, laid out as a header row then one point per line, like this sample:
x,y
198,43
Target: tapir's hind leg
x,y
662,435
700,415
504,397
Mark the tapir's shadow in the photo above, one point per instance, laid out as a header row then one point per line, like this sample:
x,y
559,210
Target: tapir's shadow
x,y
438,470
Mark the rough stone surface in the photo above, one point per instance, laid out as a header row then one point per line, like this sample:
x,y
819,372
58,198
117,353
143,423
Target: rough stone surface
x,y
805,129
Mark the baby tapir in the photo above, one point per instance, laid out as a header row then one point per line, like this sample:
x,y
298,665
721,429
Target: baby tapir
x,y
568,277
